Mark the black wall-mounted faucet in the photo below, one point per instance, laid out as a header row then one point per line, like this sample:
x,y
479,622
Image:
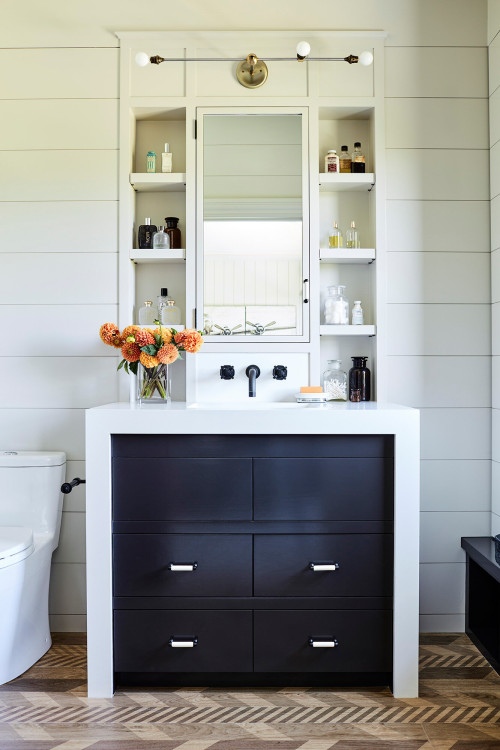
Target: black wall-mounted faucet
x,y
280,372
252,373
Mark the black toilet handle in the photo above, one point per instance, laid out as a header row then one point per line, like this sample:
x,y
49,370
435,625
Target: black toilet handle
x,y
68,486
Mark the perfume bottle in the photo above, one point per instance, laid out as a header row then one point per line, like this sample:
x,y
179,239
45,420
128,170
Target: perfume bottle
x,y
166,159
151,161
351,236
173,232
357,313
147,314
162,300
335,237
345,161
336,306
145,235
358,159
161,240
170,313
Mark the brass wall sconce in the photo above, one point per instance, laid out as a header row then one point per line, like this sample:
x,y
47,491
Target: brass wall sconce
x,y
252,72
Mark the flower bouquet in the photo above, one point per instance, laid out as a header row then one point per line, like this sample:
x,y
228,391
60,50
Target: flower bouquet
x,y
147,353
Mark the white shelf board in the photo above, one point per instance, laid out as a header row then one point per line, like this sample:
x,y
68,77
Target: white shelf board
x,y
347,330
333,182
343,255
158,256
158,182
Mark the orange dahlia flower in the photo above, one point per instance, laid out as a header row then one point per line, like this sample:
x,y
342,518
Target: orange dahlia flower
x,y
131,352
110,334
143,337
190,340
129,331
168,354
148,361
166,334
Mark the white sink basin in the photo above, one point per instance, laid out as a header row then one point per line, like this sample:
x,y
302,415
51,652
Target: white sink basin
x,y
252,405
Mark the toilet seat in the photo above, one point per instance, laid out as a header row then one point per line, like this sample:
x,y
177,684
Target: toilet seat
x,y
16,543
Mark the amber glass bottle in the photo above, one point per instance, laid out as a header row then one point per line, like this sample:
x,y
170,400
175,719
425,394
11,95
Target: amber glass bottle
x,y
173,232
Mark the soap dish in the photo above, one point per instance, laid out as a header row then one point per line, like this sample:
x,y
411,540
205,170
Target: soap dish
x,y
311,398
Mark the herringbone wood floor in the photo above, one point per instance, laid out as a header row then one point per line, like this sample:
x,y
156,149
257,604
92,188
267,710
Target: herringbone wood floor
x,y
458,707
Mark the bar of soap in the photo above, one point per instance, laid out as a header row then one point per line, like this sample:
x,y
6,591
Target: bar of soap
x,y
311,389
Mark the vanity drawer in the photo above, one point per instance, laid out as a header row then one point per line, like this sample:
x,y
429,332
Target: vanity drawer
x,y
283,641
328,489
182,489
143,641
221,564
282,564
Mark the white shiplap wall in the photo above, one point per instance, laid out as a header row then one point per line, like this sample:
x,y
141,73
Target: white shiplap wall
x,y
58,108
494,94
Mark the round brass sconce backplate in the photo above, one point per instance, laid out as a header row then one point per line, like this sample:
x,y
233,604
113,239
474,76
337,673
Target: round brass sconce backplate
x,y
252,72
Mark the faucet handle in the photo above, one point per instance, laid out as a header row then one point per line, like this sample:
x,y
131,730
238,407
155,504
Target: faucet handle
x,y
227,372
280,372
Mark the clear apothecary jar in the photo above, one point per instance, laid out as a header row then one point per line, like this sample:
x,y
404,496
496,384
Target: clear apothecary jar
x,y
336,306
335,381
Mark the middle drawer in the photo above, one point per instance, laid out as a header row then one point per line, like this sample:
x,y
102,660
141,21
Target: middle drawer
x,y
323,565
182,564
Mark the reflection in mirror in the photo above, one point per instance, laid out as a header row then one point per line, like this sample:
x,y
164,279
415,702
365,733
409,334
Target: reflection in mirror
x,y
252,225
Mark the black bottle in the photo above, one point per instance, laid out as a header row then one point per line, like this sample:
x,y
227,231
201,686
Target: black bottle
x,y
173,232
359,380
145,235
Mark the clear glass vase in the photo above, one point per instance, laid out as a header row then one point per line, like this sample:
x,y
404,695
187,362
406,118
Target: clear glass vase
x,y
153,385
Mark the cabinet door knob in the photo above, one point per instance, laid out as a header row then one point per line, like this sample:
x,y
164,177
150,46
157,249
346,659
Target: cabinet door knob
x,y
323,642
322,566
182,567
177,642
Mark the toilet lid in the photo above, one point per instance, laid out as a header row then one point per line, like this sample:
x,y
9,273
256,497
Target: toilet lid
x,y
14,539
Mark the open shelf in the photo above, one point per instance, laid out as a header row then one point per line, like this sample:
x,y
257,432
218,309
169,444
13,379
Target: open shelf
x,y
343,255
158,182
158,256
333,182
331,330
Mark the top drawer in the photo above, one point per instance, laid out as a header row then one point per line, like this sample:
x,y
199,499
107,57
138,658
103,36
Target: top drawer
x,y
323,489
182,489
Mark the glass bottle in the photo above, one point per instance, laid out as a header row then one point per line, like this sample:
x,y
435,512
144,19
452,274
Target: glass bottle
x,y
161,240
358,159
145,235
162,300
336,306
170,313
351,236
173,232
147,314
151,161
345,161
335,381
357,313
359,380
332,161
166,159
335,237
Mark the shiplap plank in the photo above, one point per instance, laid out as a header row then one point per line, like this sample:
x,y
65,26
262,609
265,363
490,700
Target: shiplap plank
x,y
72,278
71,547
45,73
495,332
57,382
438,277
41,429
495,276
67,589
77,329
438,329
494,103
436,71
440,381
58,175
495,497
60,124
495,435
434,174
495,376
443,226
70,623
440,534
495,223
442,588
425,123
61,226
494,64
442,623
495,170
455,433
455,485
431,23
493,19
75,500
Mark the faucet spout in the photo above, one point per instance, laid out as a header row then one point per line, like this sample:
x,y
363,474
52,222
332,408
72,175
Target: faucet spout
x,y
252,373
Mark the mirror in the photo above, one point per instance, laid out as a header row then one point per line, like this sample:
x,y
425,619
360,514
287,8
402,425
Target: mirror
x,y
252,225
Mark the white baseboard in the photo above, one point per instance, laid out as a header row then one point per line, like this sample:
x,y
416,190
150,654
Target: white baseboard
x,y
442,623
68,623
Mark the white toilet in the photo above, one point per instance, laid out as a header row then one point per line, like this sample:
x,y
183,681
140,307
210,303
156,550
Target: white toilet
x,y
30,520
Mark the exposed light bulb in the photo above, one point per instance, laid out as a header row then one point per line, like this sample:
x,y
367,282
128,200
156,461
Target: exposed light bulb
x,y
303,49
141,59
366,58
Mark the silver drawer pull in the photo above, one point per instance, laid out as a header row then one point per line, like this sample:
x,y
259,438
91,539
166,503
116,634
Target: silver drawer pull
x,y
323,566
315,643
182,567
178,643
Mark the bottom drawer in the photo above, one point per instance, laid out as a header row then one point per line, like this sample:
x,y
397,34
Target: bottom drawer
x,y
284,641
159,641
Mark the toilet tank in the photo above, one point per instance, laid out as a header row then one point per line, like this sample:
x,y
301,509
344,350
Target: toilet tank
x,y
30,490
